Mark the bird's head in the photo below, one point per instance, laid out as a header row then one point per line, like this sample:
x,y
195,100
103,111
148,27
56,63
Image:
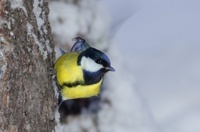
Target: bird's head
x,y
93,60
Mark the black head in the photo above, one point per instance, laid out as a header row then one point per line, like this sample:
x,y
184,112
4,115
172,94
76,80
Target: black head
x,y
94,64
93,60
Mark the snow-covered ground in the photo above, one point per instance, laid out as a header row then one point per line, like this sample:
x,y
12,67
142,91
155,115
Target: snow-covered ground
x,y
160,40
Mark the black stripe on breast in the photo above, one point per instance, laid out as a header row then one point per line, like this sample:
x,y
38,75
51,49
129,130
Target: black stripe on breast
x,y
92,77
71,85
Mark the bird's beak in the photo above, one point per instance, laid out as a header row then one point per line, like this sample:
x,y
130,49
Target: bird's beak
x,y
110,68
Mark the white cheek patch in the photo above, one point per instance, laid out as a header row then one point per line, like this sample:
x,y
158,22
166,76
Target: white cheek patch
x,y
90,65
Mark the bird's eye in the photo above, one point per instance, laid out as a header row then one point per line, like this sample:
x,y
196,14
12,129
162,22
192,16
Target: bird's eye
x,y
98,61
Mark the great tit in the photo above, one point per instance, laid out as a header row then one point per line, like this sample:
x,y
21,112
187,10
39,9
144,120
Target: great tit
x,y
80,72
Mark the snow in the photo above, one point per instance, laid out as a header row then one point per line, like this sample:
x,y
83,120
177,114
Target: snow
x,y
18,4
6,48
63,19
3,62
37,9
28,127
85,122
160,41
68,21
2,22
126,110
11,33
40,16
43,52
59,126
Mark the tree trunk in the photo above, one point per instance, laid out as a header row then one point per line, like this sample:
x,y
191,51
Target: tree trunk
x,y
26,56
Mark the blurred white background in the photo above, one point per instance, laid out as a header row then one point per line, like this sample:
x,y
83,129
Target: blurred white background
x,y
160,40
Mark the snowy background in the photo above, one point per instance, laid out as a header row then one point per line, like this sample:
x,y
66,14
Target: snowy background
x,y
160,40
154,47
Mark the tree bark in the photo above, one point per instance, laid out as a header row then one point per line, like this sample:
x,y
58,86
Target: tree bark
x,y
26,56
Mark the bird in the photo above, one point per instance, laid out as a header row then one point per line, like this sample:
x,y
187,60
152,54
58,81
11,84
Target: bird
x,y
80,72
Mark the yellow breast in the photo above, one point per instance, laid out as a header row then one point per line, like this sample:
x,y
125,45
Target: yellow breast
x,y
67,71
81,91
